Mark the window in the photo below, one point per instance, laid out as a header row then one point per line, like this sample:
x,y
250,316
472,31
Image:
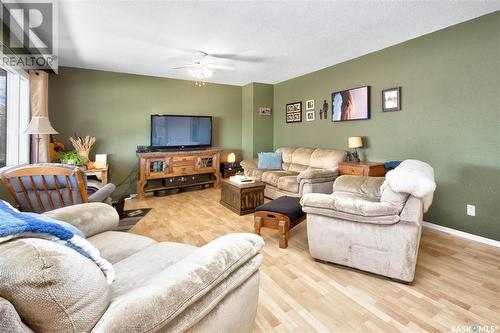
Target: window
x,y
14,117
3,117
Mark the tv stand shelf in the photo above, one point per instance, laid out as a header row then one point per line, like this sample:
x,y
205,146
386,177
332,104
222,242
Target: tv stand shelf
x,y
178,169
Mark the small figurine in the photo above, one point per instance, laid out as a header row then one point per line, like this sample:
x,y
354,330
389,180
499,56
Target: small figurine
x,y
325,109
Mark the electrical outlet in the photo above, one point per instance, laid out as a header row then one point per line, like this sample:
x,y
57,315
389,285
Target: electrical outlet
x,y
471,210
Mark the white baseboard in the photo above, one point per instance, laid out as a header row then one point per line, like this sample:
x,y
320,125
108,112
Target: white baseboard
x,y
462,234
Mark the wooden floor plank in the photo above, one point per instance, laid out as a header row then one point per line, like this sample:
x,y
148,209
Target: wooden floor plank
x,y
457,281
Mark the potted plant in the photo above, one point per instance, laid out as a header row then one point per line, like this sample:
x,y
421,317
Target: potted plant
x,y
70,158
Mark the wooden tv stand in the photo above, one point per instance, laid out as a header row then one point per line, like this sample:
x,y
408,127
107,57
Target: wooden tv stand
x,y
178,169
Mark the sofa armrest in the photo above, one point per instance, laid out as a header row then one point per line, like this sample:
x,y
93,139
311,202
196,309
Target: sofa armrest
x,y
102,194
180,295
318,175
249,164
89,218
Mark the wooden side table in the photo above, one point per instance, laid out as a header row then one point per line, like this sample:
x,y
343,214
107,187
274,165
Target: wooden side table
x,y
242,198
363,168
228,169
100,174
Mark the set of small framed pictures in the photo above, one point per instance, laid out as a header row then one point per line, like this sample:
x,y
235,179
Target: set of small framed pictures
x,y
351,104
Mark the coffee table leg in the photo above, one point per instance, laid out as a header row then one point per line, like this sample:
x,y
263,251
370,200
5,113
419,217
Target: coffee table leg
x,y
257,224
284,227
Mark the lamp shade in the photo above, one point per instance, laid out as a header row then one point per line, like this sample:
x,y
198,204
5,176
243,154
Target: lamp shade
x,y
355,142
40,125
231,158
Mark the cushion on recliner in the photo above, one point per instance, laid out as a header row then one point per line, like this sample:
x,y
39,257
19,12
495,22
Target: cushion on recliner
x,y
272,177
397,199
369,186
286,154
52,287
289,184
295,167
351,203
116,245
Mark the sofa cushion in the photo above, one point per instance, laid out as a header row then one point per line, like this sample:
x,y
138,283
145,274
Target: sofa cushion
x,y
272,177
295,167
302,156
289,184
135,270
286,154
116,245
270,161
351,203
52,287
326,158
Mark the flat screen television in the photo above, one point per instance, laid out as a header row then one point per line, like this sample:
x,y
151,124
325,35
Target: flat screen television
x,y
180,132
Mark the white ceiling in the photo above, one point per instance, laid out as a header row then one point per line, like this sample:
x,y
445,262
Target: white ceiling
x,y
265,41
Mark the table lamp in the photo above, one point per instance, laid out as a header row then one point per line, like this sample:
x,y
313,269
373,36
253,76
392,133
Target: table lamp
x,y
355,142
37,126
231,158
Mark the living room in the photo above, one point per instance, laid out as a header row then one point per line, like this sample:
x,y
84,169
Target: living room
x,y
252,166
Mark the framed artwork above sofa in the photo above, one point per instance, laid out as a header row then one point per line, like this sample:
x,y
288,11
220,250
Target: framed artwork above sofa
x,y
293,112
351,104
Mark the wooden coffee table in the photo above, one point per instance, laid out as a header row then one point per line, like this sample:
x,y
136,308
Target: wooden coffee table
x,y
242,198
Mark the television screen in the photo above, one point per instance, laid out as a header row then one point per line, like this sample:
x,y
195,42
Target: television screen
x,y
181,131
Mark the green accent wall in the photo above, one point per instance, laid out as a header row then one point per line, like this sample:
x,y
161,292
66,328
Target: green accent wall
x,y
116,109
257,131
450,116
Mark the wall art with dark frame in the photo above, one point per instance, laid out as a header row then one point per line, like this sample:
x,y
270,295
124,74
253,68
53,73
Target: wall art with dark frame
x,y
351,104
294,112
391,99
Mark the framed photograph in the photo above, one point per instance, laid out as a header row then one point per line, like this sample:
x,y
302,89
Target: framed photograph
x,y
310,104
391,99
310,115
264,111
294,112
351,104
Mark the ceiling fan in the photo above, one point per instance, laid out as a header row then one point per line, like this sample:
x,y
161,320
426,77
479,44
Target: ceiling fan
x,y
201,68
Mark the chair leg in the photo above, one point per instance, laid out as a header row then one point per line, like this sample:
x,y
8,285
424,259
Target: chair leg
x,y
257,225
284,227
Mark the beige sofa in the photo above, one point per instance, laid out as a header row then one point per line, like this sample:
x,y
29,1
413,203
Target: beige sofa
x,y
371,223
304,170
159,286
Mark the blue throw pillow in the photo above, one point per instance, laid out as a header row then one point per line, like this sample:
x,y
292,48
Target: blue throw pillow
x,y
271,161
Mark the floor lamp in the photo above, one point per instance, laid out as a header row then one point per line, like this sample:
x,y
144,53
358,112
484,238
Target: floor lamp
x,y
39,125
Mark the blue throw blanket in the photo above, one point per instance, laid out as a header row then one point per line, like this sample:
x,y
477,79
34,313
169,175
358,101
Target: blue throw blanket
x,y
14,224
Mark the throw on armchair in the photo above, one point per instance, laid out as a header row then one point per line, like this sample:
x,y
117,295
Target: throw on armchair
x,y
42,187
372,223
159,286
304,170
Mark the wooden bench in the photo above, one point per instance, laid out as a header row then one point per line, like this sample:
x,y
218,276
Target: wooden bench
x,y
281,214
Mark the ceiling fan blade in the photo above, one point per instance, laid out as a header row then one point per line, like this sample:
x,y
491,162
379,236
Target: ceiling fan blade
x,y
220,67
182,67
237,57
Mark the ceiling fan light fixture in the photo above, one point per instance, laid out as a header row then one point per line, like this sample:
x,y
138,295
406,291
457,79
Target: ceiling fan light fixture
x,y
201,73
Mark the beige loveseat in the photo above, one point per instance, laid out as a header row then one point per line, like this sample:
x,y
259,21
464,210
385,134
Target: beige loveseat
x,y
159,286
304,170
372,223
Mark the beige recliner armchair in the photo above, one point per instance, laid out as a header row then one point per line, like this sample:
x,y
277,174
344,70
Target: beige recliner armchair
x,y
372,223
159,286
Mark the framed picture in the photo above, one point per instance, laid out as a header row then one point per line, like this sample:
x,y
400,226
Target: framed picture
x,y
310,104
264,111
310,115
391,99
351,104
294,112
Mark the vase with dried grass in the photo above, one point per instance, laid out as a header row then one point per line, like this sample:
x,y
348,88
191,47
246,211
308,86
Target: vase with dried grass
x,y
83,145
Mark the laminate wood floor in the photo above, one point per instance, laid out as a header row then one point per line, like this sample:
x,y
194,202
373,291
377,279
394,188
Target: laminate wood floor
x,y
457,283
